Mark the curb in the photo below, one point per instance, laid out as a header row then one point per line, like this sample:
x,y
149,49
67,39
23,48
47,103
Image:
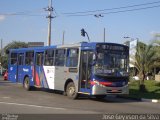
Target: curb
x,y
150,100
140,99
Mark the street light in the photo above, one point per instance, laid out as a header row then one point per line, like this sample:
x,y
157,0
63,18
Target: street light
x,y
98,15
130,39
132,43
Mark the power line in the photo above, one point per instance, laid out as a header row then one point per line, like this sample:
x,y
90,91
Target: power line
x,y
88,13
108,9
20,14
25,13
15,14
121,11
38,12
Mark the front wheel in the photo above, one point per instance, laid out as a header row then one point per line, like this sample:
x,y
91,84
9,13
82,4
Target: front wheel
x,y
71,91
26,84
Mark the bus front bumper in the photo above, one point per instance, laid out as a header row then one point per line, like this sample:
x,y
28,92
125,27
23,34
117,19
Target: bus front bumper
x,y
103,90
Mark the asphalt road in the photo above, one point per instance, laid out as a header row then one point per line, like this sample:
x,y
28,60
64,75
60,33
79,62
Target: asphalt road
x,y
14,99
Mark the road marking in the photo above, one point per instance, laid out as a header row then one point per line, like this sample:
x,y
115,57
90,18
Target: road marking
x,y
6,97
27,105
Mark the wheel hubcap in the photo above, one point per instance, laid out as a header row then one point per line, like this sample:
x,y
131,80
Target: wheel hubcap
x,y
26,84
71,91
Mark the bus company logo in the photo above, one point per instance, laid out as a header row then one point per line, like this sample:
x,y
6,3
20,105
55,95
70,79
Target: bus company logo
x,y
25,70
11,68
50,71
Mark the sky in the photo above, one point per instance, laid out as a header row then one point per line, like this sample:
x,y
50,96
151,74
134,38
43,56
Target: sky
x,y
25,20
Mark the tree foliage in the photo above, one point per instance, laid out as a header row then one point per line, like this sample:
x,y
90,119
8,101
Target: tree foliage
x,y
15,45
146,58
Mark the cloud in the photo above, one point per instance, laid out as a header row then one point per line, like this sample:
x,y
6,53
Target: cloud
x,y
2,17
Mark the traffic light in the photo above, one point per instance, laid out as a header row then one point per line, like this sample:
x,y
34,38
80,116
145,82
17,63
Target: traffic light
x,y
83,32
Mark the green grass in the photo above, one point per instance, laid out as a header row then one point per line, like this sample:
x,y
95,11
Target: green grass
x,y
152,90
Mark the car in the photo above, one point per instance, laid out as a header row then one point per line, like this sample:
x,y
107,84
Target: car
x,y
5,76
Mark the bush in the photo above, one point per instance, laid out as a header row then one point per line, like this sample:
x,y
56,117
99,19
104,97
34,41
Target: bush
x,y
152,89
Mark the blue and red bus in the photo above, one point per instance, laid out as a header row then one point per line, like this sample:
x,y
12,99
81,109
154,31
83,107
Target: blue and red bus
x,y
96,69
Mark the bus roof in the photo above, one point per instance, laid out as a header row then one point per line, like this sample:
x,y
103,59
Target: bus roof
x,y
91,45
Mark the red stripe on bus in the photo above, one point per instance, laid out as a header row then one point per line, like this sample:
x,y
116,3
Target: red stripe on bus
x,y
106,83
102,83
36,77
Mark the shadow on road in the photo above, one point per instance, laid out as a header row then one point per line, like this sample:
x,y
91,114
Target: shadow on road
x,y
107,99
110,99
4,83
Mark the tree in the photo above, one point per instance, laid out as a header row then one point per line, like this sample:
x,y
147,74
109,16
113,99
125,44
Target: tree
x,y
15,45
144,61
12,45
156,44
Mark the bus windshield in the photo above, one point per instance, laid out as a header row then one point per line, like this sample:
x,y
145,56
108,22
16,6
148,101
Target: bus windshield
x,y
111,63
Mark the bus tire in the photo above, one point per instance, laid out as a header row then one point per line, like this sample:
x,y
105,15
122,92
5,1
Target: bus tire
x,y
64,93
26,84
71,91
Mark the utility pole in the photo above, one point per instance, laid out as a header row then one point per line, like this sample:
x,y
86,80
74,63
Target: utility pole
x,y
63,38
50,11
1,56
104,35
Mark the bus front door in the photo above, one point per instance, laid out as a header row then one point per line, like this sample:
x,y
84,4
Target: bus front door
x,y
85,71
38,69
20,67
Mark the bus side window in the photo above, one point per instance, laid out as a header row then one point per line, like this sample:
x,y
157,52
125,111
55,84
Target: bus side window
x,y
60,57
29,58
39,59
13,59
72,57
49,57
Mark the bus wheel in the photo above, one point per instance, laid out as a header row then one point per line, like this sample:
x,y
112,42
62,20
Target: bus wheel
x,y
71,91
100,96
26,84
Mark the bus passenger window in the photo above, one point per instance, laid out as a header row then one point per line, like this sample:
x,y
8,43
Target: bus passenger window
x,y
60,57
13,59
49,57
39,59
72,57
29,58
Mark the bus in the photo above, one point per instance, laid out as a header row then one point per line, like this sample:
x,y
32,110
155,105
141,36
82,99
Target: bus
x,y
96,69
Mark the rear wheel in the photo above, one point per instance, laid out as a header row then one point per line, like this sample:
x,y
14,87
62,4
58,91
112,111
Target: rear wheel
x,y
71,91
26,84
